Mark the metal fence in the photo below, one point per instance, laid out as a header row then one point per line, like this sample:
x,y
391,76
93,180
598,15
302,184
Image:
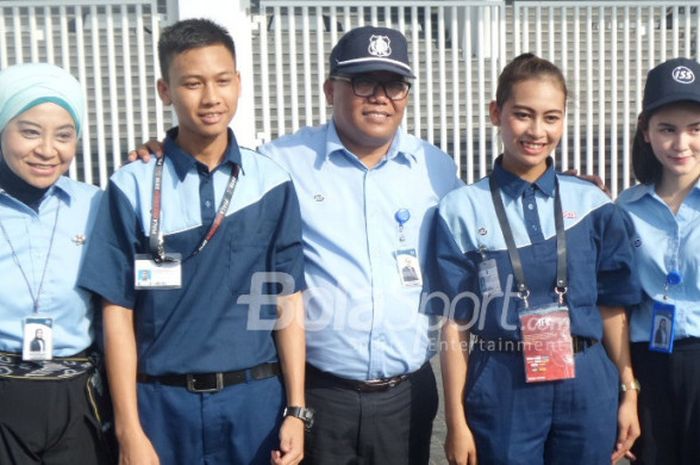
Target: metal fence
x,y
110,46
457,49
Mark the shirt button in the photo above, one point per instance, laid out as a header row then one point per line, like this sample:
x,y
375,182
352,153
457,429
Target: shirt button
x,y
530,206
534,227
207,204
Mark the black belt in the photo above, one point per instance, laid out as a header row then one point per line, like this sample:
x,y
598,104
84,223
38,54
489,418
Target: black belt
x,y
213,382
372,385
510,345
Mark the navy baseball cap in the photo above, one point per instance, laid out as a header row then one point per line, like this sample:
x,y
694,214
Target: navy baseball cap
x,y
675,80
366,49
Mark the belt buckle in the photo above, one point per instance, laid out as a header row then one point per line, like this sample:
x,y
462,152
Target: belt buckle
x,y
193,381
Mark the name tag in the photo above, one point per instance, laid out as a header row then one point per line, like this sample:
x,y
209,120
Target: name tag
x,y
409,268
37,343
662,327
548,349
489,283
151,275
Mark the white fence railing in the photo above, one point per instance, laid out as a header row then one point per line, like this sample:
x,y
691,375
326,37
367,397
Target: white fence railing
x,y
110,46
457,49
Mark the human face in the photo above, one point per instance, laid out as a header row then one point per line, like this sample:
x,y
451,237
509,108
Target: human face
x,y
366,125
674,135
531,122
39,144
203,86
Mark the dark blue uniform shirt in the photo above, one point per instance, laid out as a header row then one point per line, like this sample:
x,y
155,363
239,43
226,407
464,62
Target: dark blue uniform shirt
x,y
203,326
598,243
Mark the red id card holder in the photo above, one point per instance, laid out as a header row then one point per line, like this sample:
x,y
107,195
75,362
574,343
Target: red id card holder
x,y
548,350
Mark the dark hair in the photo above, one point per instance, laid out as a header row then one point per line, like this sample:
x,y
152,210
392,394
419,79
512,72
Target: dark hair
x,y
524,67
646,167
188,34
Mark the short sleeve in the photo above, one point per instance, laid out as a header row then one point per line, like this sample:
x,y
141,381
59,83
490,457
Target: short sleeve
x,y
288,246
108,267
450,290
618,284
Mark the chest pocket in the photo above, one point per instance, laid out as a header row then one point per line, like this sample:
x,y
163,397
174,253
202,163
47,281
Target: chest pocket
x,y
250,251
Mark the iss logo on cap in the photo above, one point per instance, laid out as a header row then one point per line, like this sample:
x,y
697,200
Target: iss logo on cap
x,y
379,46
683,75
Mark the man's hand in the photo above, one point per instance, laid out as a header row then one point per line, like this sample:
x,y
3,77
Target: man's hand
x,y
291,449
592,178
136,449
144,151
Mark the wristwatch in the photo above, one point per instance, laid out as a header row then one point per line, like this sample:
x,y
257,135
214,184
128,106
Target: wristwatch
x,y
634,386
303,413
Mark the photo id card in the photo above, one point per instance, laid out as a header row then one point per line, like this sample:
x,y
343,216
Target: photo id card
x,y
409,268
548,348
151,275
662,327
488,277
37,343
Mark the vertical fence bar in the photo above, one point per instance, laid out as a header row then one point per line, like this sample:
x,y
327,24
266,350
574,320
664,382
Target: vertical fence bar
x,y
482,94
279,70
454,61
48,35
17,33
662,31
516,30
538,31
82,77
155,34
3,39
626,101
614,157
493,19
565,69
308,100
415,39
674,31
589,90
128,85
429,74
577,89
468,72
442,74
601,93
321,64
33,35
65,63
113,98
293,76
143,93
265,78
99,108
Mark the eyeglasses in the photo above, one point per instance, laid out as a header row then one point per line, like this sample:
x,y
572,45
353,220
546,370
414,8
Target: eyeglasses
x,y
366,87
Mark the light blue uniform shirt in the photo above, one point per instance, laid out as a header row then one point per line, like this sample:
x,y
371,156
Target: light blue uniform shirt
x,y
361,323
30,232
665,242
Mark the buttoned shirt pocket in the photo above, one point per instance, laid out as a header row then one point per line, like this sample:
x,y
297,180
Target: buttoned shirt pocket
x,y
251,246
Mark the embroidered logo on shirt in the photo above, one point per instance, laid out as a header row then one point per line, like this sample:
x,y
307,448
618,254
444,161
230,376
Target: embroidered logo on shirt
x,y
483,231
379,46
79,239
569,215
637,242
319,198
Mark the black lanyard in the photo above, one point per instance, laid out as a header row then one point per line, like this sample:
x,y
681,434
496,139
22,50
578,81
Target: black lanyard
x,y
155,242
523,291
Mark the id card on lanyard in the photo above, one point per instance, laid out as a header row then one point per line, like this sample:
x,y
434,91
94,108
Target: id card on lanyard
x,y
663,318
406,257
159,270
548,353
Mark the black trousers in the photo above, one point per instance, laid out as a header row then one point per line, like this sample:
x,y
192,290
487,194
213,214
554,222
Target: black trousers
x,y
48,423
669,404
391,427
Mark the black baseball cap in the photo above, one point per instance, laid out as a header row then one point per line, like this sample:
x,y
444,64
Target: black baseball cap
x,y
675,80
366,49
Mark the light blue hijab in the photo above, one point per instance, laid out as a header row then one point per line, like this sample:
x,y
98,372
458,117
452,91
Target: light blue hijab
x,y
25,86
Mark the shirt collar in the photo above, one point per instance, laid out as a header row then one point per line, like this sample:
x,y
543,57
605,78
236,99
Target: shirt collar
x,y
402,147
514,186
184,161
650,189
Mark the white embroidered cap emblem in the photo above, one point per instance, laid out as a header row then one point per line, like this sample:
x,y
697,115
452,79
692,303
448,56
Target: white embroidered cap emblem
x,y
683,75
379,46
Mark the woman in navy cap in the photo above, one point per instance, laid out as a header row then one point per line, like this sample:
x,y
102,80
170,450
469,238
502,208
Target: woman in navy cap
x,y
665,209
46,415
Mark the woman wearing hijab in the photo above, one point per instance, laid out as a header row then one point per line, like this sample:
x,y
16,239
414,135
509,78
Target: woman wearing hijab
x,y
46,411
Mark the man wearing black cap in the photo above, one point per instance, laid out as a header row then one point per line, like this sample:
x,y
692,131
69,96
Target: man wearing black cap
x,y
367,191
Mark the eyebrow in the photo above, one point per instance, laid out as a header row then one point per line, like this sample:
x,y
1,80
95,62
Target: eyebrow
x,y
671,125
524,107
200,76
36,125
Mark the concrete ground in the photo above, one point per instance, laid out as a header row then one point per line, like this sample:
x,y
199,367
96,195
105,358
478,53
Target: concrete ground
x,y
437,454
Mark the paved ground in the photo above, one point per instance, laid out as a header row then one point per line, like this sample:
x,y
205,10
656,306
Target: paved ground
x,y
437,455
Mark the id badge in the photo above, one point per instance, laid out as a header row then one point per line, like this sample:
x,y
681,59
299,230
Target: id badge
x,y
409,268
37,343
488,277
662,327
151,275
548,349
